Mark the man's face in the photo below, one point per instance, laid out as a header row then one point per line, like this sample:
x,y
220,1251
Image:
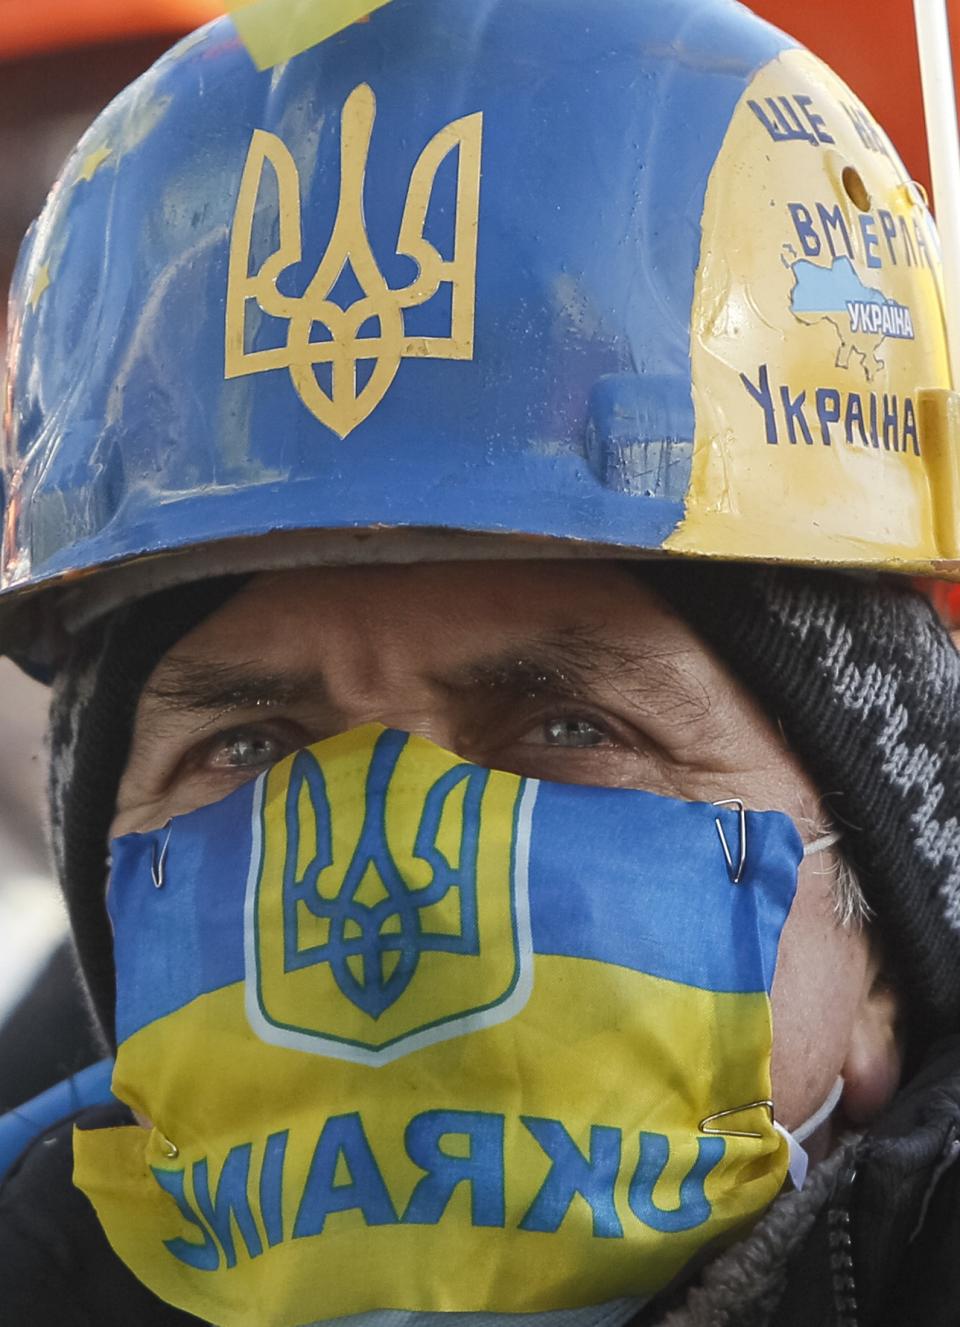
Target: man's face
x,y
572,672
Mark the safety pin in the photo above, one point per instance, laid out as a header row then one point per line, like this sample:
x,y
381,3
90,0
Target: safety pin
x,y
157,864
705,1124
170,1149
736,873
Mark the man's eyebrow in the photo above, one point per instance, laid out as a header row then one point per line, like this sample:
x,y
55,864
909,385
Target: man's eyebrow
x,y
560,664
568,662
195,687
576,660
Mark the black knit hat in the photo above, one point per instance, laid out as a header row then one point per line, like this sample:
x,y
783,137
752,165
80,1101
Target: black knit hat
x,y
860,674
865,681
92,713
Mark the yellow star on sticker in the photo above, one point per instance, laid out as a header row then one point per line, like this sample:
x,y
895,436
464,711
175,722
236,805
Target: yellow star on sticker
x,y
93,161
41,283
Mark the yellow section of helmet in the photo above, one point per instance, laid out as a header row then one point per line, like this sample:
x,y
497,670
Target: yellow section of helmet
x,y
274,31
825,428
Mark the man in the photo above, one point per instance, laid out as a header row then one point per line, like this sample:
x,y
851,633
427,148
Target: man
x,y
388,405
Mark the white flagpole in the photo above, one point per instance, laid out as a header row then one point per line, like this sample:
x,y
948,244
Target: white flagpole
x,y
940,109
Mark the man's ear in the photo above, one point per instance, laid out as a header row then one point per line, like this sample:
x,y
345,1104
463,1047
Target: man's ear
x,y
874,1059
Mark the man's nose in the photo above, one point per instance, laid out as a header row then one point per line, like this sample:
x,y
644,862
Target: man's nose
x,y
431,720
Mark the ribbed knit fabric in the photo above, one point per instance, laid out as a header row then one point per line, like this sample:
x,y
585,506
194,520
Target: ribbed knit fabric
x,y
92,714
860,673
866,683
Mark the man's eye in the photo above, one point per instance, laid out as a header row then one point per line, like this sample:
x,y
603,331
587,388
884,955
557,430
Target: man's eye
x,y
574,733
244,751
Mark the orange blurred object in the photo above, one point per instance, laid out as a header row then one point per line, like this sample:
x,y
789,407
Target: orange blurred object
x,y
32,27
945,599
873,47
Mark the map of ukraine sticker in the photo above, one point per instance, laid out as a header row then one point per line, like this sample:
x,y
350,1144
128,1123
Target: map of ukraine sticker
x,y
387,902
863,315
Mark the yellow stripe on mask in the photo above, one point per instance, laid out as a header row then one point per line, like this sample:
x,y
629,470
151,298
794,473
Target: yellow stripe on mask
x,y
276,30
382,1234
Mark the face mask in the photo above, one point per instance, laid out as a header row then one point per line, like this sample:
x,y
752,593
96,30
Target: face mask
x,y
419,1036
622,1310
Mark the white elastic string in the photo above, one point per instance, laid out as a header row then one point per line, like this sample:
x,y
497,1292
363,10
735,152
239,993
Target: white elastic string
x,y
803,1131
820,845
798,1162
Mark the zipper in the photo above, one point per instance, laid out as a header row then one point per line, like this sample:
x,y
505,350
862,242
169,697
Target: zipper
x,y
841,1249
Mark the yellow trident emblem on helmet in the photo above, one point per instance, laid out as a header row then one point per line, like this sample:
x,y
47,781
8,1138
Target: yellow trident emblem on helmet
x,y
381,309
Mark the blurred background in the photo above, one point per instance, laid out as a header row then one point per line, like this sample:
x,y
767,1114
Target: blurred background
x,y
61,61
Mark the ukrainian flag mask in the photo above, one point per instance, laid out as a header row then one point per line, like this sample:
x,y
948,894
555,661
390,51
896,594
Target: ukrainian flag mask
x,y
422,1036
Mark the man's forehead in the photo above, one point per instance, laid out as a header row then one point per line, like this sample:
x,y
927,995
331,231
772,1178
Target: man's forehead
x,y
562,628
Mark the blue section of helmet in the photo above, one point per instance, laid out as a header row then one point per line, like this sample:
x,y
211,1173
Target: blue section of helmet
x,y
574,417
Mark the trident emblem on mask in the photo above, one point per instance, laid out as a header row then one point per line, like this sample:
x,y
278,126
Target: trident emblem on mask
x,y
372,330
374,945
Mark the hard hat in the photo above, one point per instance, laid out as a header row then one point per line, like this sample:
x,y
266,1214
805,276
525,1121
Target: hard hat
x,y
56,25
633,278
878,59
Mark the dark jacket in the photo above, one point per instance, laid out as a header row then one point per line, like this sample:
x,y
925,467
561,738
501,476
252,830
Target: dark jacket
x,y
873,1240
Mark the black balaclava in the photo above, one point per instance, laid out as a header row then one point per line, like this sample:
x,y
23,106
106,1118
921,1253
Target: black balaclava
x,y
94,704
860,673
865,681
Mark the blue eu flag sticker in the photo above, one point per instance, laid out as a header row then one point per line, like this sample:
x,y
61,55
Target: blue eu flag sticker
x,y
387,904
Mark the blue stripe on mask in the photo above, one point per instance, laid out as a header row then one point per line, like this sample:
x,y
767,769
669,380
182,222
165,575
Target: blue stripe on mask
x,y
616,876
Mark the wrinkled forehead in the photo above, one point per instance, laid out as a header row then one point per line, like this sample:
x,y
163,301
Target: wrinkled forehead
x,y
460,621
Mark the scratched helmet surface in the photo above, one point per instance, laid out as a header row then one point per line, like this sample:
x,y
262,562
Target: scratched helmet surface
x,y
634,276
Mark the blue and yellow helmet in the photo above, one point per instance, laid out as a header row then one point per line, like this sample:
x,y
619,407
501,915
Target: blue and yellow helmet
x,y
638,277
